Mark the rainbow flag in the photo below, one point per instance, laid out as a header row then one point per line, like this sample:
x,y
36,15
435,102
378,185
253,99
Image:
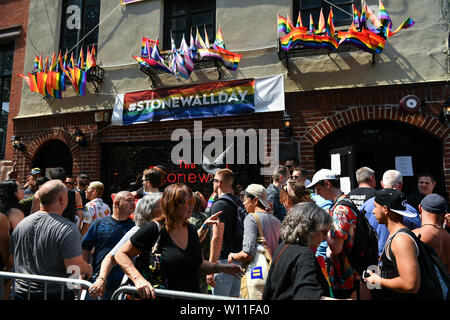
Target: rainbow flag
x,y
90,59
284,25
363,18
212,99
151,63
199,43
383,15
41,80
405,25
299,20
30,80
321,27
311,24
330,24
80,64
218,41
356,17
323,267
53,62
189,64
36,64
53,84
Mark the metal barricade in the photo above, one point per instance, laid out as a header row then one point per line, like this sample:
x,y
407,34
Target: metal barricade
x,y
172,294
76,284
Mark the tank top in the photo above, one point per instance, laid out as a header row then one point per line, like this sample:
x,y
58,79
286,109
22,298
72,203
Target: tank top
x,y
71,209
389,269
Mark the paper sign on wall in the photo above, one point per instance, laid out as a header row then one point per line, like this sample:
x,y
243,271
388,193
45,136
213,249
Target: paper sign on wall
x,y
336,163
346,186
404,165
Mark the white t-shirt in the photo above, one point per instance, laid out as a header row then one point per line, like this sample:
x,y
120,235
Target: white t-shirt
x,y
95,209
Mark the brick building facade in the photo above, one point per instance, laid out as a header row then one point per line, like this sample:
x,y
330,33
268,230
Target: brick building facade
x,y
323,96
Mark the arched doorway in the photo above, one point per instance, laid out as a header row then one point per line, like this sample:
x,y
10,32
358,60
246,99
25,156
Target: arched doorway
x,y
53,153
376,144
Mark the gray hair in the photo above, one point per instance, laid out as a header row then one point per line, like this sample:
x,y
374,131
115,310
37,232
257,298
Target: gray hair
x,y
280,170
145,207
363,174
303,221
392,178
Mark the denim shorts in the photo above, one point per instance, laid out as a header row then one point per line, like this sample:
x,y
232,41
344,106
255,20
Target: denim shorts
x,y
226,284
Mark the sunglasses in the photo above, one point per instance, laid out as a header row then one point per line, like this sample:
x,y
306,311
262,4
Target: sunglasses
x,y
295,177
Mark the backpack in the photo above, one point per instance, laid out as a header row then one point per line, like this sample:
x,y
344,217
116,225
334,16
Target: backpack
x,y
434,278
364,252
241,214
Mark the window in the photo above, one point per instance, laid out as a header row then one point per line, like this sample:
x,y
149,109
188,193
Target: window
x,y
6,64
79,17
180,17
307,7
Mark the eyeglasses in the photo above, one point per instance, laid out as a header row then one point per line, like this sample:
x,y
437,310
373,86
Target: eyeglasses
x,y
295,177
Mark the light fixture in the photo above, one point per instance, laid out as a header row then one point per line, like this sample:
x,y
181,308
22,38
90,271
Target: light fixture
x,y
79,137
17,145
444,115
287,125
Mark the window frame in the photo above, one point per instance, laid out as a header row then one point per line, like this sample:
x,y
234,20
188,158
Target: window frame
x,y
4,50
297,8
81,32
190,11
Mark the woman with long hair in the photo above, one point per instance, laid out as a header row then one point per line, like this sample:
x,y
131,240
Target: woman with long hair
x,y
179,246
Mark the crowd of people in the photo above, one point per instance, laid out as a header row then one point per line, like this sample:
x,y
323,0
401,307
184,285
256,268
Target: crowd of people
x,y
168,236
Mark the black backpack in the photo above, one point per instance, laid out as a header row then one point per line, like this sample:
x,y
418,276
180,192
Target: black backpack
x,y
241,214
434,278
364,252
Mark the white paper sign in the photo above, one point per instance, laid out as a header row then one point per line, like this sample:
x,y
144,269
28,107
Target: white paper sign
x,y
404,165
346,185
336,163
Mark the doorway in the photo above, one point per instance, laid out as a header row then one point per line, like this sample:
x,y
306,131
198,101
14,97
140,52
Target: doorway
x,y
53,153
376,144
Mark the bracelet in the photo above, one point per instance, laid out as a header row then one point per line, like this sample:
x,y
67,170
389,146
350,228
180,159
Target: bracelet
x,y
205,226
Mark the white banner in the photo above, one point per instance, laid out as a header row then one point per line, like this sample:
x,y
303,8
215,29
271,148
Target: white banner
x,y
268,97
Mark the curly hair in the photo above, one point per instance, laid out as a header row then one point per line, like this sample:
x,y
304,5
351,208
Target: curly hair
x,y
302,222
294,192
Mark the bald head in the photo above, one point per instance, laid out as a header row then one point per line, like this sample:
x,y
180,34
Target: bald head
x,y
53,196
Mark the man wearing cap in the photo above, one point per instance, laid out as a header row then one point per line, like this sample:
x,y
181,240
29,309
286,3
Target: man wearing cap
x,y
400,270
340,238
255,201
432,209
391,179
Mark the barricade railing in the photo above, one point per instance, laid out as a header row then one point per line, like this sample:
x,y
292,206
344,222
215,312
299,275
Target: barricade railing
x,y
171,294
71,283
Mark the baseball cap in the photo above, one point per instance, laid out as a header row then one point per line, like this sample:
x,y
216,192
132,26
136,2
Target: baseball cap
x,y
35,171
434,203
395,200
259,192
322,174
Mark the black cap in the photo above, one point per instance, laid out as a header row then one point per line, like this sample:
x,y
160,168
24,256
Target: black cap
x,y
395,200
434,203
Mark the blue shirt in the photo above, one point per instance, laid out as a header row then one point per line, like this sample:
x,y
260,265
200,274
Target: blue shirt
x,y
103,235
273,195
382,231
326,205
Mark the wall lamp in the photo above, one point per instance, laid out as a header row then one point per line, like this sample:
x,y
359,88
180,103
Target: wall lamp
x,y
444,115
287,125
17,144
79,137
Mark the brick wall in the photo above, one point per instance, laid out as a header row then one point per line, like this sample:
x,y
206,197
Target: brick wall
x,y
315,115
15,13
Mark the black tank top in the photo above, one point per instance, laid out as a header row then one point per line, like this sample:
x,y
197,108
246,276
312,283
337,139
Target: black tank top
x,y
389,270
71,209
